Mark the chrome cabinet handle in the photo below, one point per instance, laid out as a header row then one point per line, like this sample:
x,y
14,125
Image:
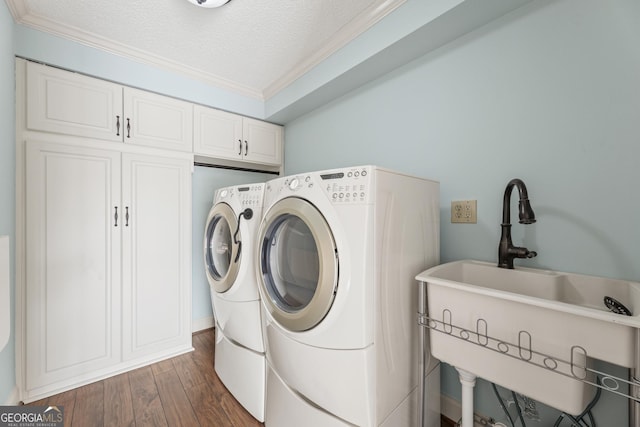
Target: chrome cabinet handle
x,y
115,216
246,147
126,216
128,128
117,125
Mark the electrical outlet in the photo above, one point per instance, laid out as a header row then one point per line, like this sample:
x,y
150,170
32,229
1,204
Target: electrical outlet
x,y
464,211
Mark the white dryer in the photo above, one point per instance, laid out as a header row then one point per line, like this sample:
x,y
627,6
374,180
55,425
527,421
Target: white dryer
x,y
338,251
229,254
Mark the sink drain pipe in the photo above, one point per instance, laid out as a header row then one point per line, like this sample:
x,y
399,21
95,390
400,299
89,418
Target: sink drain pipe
x,y
468,381
422,310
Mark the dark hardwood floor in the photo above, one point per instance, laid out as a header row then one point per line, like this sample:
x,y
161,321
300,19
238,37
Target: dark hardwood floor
x,y
446,422
183,391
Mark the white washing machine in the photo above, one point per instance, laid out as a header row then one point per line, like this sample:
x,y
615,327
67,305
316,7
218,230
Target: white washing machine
x,y
229,254
338,251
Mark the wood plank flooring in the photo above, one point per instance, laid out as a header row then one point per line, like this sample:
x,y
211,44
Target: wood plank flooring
x,y
183,391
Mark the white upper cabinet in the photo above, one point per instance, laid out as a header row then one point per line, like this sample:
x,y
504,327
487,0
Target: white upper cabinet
x,y
223,135
262,141
66,103
157,121
217,133
62,102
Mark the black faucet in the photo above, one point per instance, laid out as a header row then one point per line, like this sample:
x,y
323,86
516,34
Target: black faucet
x,y
506,251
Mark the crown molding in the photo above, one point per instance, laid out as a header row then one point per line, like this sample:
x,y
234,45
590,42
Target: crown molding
x,y
349,32
374,13
22,15
17,9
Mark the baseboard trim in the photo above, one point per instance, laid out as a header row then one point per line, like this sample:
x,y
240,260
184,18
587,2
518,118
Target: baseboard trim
x,y
450,408
202,324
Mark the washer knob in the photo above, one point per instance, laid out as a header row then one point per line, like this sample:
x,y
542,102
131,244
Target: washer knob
x,y
294,184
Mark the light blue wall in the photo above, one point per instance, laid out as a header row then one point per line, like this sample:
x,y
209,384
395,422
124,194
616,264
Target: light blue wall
x,y
410,31
548,94
7,181
205,183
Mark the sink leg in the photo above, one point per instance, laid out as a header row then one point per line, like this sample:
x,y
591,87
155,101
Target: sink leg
x,y
634,407
468,381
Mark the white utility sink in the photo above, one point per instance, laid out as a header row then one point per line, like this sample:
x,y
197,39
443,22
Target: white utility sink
x,y
530,330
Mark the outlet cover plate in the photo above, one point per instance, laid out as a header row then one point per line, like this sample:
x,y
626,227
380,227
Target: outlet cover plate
x,y
464,211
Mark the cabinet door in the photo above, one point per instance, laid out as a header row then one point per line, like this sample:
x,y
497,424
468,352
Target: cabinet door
x,y
156,255
262,142
72,291
157,121
63,102
217,134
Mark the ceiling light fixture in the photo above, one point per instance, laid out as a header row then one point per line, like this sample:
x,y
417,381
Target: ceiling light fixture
x,y
209,3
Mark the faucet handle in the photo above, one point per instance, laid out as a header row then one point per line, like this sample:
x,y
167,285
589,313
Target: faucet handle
x,y
531,254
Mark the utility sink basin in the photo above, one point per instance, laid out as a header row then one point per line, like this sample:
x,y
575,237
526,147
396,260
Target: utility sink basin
x,y
531,330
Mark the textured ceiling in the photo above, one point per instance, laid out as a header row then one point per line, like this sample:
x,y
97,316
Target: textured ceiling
x,y
255,47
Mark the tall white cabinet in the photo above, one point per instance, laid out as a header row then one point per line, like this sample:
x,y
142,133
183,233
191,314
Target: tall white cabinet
x,y
104,227
156,261
73,256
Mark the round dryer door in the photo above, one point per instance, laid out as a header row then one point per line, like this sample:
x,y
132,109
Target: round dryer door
x,y
298,264
219,248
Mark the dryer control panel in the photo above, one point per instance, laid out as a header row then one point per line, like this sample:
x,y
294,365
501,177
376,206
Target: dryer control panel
x,y
349,185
